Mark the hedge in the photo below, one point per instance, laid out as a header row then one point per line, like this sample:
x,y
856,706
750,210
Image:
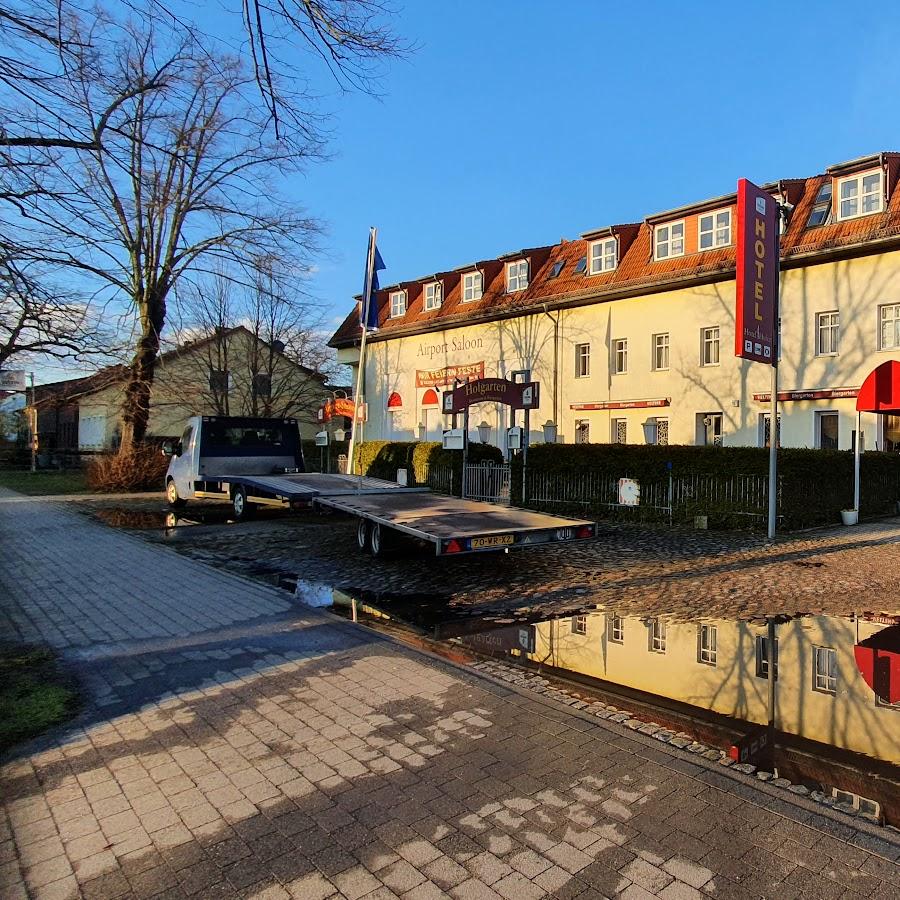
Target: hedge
x,y
381,459
815,485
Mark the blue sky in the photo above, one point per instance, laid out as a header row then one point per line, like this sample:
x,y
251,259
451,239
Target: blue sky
x,y
517,123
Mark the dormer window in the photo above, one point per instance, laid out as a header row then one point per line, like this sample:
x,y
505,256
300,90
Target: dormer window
x,y
668,240
860,195
473,287
714,230
820,214
433,295
516,276
604,255
398,304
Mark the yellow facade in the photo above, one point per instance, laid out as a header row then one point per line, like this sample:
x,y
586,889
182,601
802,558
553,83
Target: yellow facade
x,y
854,288
849,717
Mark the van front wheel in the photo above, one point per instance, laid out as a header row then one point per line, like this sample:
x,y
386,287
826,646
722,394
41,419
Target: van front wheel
x,y
172,497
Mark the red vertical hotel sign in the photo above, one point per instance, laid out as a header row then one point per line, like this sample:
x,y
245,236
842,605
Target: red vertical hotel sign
x,y
757,274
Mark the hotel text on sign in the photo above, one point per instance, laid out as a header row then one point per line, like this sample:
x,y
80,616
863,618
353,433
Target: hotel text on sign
x,y
757,274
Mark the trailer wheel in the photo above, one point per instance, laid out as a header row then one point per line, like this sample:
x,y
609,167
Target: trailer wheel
x,y
241,506
172,497
362,534
377,540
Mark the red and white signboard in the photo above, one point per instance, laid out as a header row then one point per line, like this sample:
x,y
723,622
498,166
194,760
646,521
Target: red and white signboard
x,y
757,274
623,404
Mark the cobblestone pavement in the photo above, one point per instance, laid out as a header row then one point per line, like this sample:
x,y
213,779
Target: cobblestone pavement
x,y
653,572
237,746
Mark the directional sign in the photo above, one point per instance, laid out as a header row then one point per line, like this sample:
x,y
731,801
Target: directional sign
x,y
12,380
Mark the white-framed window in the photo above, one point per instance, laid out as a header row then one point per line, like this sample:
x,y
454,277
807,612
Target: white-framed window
x,y
579,624
762,657
517,275
620,356
582,431
398,304
619,431
714,229
434,293
615,629
657,636
709,346
825,669
582,360
604,255
472,287
889,326
827,429
860,195
660,352
668,240
662,431
765,430
707,644
828,333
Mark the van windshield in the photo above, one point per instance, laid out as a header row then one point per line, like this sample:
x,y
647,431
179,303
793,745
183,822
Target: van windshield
x,y
249,439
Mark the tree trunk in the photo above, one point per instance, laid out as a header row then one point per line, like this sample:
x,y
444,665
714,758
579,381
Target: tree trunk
x,y
136,407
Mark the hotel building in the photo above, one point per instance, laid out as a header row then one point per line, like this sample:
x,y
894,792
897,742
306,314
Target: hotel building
x,y
633,325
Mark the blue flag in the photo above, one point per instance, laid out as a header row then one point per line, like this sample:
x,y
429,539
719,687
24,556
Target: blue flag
x,y
368,310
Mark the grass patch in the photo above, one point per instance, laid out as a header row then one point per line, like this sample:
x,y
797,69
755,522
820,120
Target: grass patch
x,y
39,483
34,693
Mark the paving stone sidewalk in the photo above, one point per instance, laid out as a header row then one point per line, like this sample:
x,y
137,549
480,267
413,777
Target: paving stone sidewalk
x,y
239,745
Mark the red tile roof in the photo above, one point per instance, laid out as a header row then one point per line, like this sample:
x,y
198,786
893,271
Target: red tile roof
x,y
636,272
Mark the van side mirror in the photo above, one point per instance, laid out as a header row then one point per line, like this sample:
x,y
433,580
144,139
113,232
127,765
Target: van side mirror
x,y
168,448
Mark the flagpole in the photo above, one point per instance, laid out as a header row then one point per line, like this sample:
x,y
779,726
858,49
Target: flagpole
x,y
360,373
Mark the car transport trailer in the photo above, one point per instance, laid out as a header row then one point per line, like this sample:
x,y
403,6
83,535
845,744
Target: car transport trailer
x,y
452,525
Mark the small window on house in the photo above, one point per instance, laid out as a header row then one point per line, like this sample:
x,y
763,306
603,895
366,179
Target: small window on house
x,y
714,230
707,644
662,432
820,214
557,268
828,333
765,430
889,327
619,429
860,195
827,430
709,349
668,240
472,287
433,295
219,381
581,265
579,624
262,385
517,275
825,669
709,426
582,431
582,360
762,657
398,304
657,636
615,629
660,352
620,356
604,255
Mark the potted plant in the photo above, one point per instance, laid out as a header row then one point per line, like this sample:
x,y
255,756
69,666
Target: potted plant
x,y
850,516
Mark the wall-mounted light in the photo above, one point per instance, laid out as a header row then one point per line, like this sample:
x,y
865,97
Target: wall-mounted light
x,y
650,431
549,432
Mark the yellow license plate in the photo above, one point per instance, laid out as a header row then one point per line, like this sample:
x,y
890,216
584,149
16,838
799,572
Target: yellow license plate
x,y
494,540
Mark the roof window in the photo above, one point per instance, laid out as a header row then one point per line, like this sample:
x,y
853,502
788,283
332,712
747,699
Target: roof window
x,y
821,211
557,268
581,265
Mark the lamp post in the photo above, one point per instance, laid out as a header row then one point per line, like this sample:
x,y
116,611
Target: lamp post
x,y
549,432
484,432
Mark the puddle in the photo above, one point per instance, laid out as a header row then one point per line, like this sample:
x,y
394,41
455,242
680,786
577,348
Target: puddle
x,y
132,519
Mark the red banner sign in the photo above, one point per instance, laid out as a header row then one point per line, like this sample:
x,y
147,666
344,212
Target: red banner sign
x,y
340,406
440,377
757,274
516,394
623,404
830,394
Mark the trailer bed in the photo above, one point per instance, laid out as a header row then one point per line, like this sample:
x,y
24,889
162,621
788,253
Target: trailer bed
x,y
459,526
305,487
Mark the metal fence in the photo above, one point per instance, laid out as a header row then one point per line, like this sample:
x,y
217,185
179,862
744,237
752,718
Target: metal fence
x,y
487,481
673,498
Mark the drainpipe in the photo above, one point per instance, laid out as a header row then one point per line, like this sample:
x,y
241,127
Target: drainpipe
x,y
555,363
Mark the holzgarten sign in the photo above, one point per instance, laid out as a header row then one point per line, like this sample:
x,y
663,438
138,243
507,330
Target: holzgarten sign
x,y
516,394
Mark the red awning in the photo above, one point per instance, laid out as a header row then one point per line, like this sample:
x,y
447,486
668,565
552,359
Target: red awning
x,y
878,660
880,392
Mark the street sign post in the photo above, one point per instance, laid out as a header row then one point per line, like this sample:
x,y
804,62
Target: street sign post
x,y
756,313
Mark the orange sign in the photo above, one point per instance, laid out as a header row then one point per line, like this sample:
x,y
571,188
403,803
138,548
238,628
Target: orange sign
x,y
340,406
440,377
